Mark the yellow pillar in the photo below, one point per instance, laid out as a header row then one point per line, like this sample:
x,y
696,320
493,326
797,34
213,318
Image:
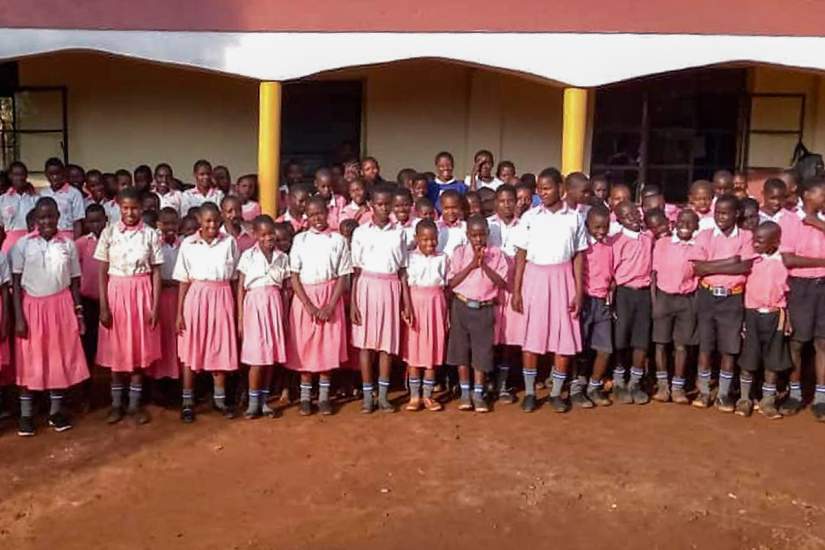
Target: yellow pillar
x,y
269,146
574,130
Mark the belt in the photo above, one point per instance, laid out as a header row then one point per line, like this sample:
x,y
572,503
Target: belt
x,y
723,291
474,304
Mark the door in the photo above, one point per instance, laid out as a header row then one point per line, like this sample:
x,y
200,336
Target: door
x,y
34,126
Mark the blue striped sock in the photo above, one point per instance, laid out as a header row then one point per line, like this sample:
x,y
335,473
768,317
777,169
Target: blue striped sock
x,y
819,395
323,390
558,383
306,392
725,378
703,382
529,381
796,390
429,385
465,391
383,388
745,384
768,390
188,398
618,377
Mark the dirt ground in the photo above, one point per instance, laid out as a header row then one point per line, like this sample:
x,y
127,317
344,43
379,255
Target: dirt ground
x,y
658,476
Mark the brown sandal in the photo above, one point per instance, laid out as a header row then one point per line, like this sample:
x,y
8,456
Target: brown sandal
x,y
433,405
414,405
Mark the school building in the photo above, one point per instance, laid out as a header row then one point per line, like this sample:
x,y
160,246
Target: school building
x,y
663,92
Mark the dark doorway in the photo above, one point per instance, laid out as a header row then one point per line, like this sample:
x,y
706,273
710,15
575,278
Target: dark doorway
x,y
320,120
669,130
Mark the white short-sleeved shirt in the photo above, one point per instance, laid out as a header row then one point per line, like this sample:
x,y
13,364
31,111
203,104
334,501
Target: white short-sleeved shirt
x,y
112,209
172,199
318,257
451,236
427,271
409,232
379,249
260,272
129,250
202,261
46,267
501,234
170,258
494,184
14,207
192,198
551,237
70,204
5,270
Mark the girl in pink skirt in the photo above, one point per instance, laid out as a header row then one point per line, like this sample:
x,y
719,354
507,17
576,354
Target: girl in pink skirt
x,y
15,204
320,263
128,340
48,317
549,267
6,371
379,291
207,337
262,270
426,328
509,330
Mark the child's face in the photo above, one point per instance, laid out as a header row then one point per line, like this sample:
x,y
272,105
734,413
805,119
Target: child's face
x,y
298,202
524,199
317,217
357,193
142,181
294,174
652,202
265,234
485,166
46,220
188,227
725,215
629,217
75,176
815,197
450,209
600,189
352,171
749,218
323,184
659,227
111,185
283,240
203,177
56,176
419,189
210,224
765,240
548,191
700,200
220,178
95,187
506,174
19,177
686,225
95,222
598,227
579,193
168,226
477,235
427,239
402,208
131,212
506,205
369,170
618,195
231,212
722,186
123,181
150,202
444,168
163,180
245,188
381,207
773,200
426,212
473,205
740,186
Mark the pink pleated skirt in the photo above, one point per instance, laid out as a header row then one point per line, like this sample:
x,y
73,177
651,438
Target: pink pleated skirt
x,y
547,293
167,366
264,338
313,346
131,343
51,356
379,302
423,344
509,329
12,236
209,342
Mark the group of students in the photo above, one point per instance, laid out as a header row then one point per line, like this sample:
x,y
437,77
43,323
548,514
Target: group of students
x,y
465,277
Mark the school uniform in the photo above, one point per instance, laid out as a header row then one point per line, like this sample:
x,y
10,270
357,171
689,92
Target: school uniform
x,y
450,235
250,210
245,239
335,207
349,212
6,370
380,253
493,184
596,318
549,287
719,302
209,341
765,342
674,314
632,261
319,259
264,338
167,366
70,206
89,291
112,209
131,253
672,212
423,343
298,225
14,207
806,297
472,313
193,198
706,220
409,231
50,356
788,221
172,199
509,330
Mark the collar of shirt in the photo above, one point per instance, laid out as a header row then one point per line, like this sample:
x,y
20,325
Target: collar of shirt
x,y
13,192
499,219
351,205
591,240
630,234
440,181
195,191
223,231
123,228
445,223
764,216
388,227
676,240
289,217
718,232
198,239
563,210
327,231
63,189
775,256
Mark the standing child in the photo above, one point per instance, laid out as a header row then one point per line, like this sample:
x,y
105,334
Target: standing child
x,y
577,192
722,260
419,187
262,269
48,317
69,200
317,341
129,340
601,187
371,172
766,322
15,204
740,186
246,188
452,230
477,274
358,208
379,257
222,180
231,216
700,200
482,176
774,195
632,257
544,268
164,188
619,193
673,299
444,179
402,214
748,214
424,209
94,223
335,202
206,312
722,184
425,333
204,190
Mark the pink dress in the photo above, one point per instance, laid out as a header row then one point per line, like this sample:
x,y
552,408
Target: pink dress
x,y
547,292
209,342
423,343
264,338
313,346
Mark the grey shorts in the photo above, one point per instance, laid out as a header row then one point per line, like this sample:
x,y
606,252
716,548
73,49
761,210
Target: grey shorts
x,y
597,325
632,318
674,319
470,342
765,343
806,308
720,322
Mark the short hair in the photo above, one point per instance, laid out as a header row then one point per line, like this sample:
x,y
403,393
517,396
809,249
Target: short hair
x,y
300,188
522,186
485,193
423,202
45,202
478,220
552,174
808,184
263,220
505,164
772,226
164,165
729,199
598,211
123,172
505,188
129,193
150,217
286,226
425,224
209,207
773,184
444,154
167,211
143,169
653,214
230,198
420,176
700,184
316,200
94,172
95,209
53,161
405,174
528,178
574,178
201,163
748,202
650,190
792,173
450,194
402,192
719,174
349,223
323,172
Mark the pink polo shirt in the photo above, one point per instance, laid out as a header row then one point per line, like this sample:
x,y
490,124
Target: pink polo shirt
x,y
349,211
671,262
632,259
712,244
805,241
598,268
767,283
788,221
89,266
672,212
297,225
477,285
